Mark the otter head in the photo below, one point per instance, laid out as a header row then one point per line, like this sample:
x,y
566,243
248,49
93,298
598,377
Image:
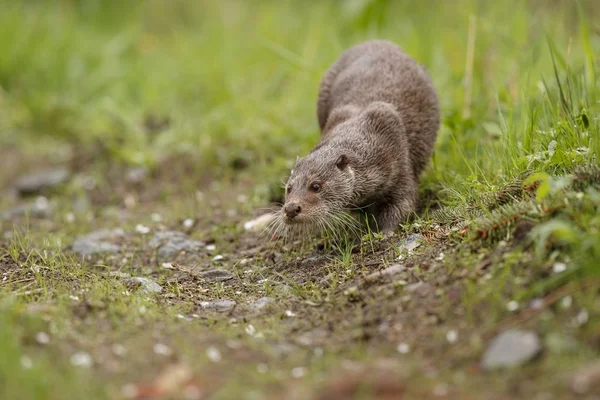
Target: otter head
x,y
320,185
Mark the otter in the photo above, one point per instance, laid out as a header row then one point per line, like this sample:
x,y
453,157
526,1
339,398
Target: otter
x,y
378,114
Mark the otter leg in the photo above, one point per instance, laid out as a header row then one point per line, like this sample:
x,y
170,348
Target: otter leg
x,y
389,215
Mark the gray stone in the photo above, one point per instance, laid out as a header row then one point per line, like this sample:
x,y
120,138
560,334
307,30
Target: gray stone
x,y
216,275
388,272
283,348
511,348
171,243
423,289
98,242
218,305
145,285
40,208
42,180
410,243
119,274
136,175
261,303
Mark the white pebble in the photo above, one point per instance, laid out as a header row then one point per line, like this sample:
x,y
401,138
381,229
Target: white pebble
x,y
298,372
440,257
218,257
41,203
82,359
162,349
210,247
566,302
42,338
290,313
403,348
582,317
250,330
74,298
188,223
167,265
213,354
512,306
452,336
559,267
139,228
70,217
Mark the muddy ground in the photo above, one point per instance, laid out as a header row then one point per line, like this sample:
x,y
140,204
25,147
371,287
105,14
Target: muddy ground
x,y
224,312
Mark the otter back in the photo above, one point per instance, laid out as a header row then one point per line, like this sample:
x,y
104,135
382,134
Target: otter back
x,y
379,70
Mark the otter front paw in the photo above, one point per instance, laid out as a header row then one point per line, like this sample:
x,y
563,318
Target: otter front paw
x,y
389,216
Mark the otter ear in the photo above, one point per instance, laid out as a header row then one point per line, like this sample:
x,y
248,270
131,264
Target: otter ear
x,y
338,116
382,117
342,162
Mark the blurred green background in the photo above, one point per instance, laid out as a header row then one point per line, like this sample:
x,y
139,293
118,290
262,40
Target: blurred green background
x,y
219,83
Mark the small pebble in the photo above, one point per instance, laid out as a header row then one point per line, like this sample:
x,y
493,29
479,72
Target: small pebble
x,y
566,302
298,372
403,348
211,247
213,354
512,306
452,336
537,304
82,359
162,349
289,313
188,223
139,228
42,338
167,265
559,267
582,318
218,257
250,330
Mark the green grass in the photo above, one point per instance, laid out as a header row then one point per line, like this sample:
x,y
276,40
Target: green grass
x,y
195,90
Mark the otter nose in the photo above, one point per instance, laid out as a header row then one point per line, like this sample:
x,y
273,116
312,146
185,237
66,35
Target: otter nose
x,y
292,209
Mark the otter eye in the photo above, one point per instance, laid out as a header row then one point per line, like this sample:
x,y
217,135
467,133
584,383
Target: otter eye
x,y
315,187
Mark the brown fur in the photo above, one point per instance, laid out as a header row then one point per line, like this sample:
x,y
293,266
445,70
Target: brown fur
x,y
379,116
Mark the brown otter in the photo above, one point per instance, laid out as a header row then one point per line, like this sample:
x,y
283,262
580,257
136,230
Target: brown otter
x,y
379,116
